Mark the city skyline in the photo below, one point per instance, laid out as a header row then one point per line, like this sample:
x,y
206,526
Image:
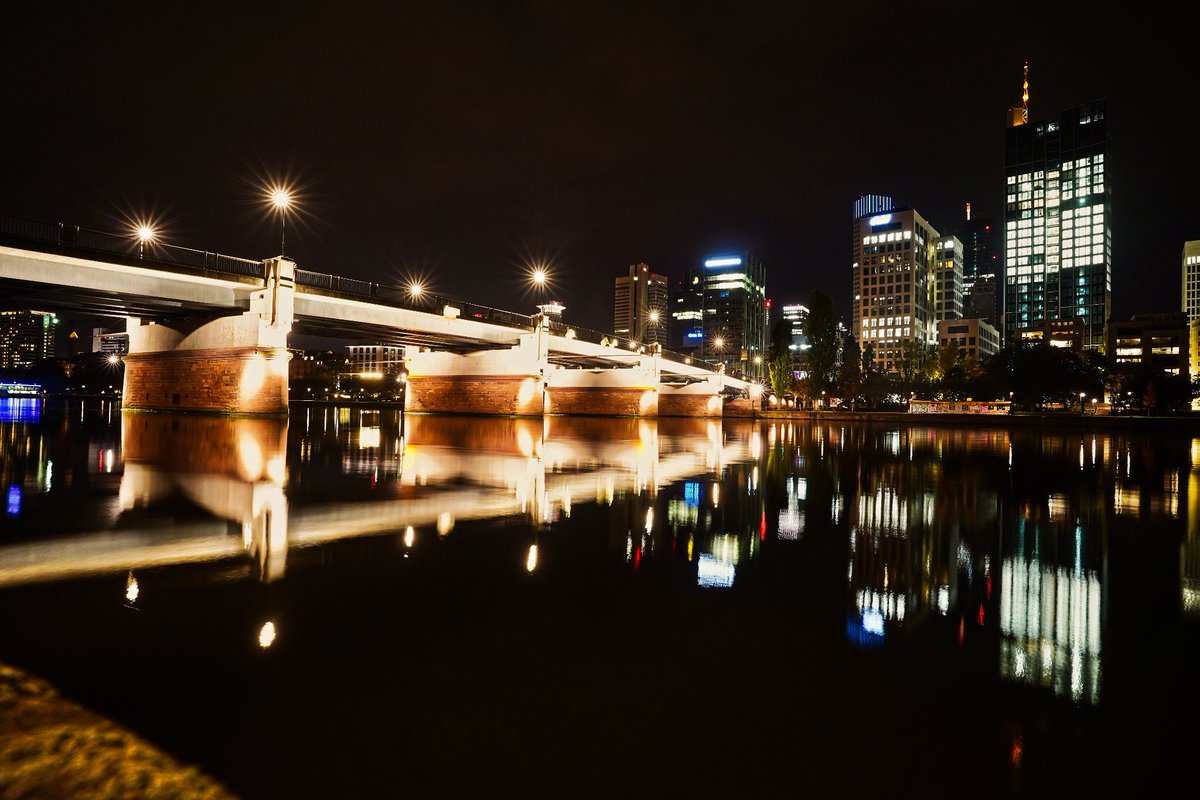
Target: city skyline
x,y
453,154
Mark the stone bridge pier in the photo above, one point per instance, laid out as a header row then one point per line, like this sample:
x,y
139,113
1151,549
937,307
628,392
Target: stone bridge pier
x,y
231,364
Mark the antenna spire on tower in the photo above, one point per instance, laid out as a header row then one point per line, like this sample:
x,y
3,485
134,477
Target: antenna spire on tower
x,y
1025,94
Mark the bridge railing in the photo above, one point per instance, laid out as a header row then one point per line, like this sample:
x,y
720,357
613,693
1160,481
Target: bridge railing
x,y
629,345
73,236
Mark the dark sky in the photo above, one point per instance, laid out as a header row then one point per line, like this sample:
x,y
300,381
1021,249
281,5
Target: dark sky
x,y
459,140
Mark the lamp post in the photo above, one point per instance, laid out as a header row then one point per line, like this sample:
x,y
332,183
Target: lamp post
x,y
1081,396
145,235
539,276
281,200
654,316
415,290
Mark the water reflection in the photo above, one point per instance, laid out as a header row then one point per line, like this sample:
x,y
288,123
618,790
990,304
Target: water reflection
x,y
355,473
996,533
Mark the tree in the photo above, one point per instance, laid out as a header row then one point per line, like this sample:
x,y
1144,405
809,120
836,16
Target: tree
x,y
850,380
820,328
781,369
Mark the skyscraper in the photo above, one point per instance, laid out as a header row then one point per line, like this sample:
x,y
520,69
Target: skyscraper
x,y
980,265
897,283
640,305
735,313
1190,295
26,337
1191,280
1058,222
687,312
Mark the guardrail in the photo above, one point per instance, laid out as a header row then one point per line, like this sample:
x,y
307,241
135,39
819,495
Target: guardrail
x,y
78,238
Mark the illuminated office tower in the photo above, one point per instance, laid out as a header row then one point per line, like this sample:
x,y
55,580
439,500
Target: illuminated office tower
x,y
26,337
948,285
640,305
894,287
735,313
1191,300
687,312
796,316
1058,222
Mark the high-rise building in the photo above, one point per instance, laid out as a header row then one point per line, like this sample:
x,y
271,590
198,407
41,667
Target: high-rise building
x,y
26,337
895,283
1058,222
687,312
796,316
1191,301
735,313
981,262
948,285
640,305
1191,280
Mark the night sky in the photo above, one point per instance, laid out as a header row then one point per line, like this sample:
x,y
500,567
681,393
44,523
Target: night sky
x,y
460,141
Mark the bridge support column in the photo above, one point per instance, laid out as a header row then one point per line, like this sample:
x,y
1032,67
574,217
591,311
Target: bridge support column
x,y
233,364
699,399
750,406
623,392
505,382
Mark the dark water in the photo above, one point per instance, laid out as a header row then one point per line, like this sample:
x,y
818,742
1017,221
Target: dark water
x,y
351,606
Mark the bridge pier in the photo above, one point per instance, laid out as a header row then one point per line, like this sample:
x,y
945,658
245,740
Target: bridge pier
x,y
229,364
623,392
502,382
696,399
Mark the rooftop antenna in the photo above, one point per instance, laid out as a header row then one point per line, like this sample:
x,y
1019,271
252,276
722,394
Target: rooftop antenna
x,y
1025,95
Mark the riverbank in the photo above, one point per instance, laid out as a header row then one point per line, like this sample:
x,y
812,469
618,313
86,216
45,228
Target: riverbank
x,y
1020,419
51,747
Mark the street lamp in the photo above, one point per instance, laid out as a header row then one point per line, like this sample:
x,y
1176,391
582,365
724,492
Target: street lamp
x,y
415,290
280,198
1081,396
145,235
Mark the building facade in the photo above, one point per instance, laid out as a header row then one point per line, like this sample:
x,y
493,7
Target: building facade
x,y
894,284
1190,293
1067,333
640,306
948,285
1058,222
977,338
375,359
687,312
110,342
1161,341
796,317
735,313
981,262
26,337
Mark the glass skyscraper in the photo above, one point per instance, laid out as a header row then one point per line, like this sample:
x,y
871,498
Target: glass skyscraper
x,y
1058,223
735,313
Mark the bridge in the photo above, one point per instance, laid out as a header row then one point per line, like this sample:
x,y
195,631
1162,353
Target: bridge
x,y
210,332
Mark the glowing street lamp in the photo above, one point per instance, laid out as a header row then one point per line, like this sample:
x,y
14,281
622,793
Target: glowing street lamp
x,y
114,359
416,290
144,235
280,199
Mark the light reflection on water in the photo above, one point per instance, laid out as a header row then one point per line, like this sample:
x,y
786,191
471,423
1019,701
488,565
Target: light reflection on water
x,y
997,540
